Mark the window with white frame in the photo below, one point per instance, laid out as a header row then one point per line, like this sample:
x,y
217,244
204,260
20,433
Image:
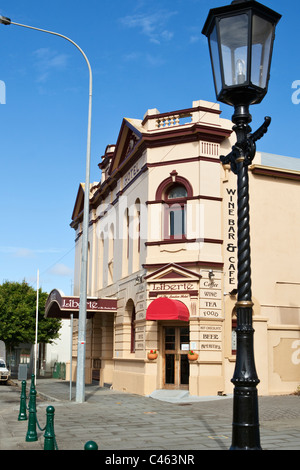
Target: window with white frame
x,y
175,212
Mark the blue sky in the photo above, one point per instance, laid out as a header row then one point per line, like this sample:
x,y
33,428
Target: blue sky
x,y
143,55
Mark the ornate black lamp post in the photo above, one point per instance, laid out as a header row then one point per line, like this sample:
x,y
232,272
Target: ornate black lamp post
x,y
241,37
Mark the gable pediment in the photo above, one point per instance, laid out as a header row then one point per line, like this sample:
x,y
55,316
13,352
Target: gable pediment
x,y
79,203
173,273
129,138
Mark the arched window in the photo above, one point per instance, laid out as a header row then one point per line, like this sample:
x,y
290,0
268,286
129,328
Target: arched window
x,y
174,192
111,255
136,236
177,191
100,261
89,274
126,243
175,211
132,340
130,320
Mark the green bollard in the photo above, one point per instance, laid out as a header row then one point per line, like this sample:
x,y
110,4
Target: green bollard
x,y
31,431
49,442
91,445
32,395
32,385
22,412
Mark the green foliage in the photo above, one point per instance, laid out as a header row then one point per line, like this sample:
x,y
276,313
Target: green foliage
x,y
18,315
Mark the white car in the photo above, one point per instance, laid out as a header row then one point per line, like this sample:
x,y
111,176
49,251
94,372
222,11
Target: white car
x,y
4,372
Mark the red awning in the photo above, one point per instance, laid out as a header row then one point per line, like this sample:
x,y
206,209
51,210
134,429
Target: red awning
x,y
164,308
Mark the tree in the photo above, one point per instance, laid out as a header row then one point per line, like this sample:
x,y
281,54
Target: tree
x,y
18,316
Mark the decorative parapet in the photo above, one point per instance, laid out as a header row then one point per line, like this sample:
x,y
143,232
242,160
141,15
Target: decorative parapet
x,y
202,111
173,120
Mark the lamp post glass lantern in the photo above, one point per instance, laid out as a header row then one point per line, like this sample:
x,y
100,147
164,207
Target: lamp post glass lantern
x,y
241,37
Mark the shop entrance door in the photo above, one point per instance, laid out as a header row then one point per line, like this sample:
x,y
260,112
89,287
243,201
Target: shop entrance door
x,y
176,364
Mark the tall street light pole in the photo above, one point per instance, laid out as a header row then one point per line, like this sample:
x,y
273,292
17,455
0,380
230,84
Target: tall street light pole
x,y
240,38
80,379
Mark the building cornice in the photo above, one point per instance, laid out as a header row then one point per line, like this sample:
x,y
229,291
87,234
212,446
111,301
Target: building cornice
x,y
186,264
185,133
262,170
184,240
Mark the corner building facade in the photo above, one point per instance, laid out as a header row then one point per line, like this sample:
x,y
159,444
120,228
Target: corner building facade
x,y
163,251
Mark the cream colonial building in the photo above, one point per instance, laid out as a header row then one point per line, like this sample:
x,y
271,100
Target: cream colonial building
x,y
162,267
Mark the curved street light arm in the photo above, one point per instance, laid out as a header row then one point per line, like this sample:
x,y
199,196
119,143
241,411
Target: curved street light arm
x,y
80,383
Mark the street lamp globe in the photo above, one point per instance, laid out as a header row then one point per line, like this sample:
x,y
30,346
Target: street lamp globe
x,y
240,38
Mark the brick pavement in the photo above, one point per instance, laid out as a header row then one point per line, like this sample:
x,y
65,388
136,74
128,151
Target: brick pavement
x,y
123,422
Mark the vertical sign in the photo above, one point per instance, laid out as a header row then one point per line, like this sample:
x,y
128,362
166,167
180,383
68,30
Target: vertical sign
x,y
231,238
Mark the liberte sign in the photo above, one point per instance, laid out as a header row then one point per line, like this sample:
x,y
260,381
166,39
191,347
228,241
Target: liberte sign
x,y
72,303
57,304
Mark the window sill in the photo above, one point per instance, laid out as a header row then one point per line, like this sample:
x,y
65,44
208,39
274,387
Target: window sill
x,y
170,241
232,358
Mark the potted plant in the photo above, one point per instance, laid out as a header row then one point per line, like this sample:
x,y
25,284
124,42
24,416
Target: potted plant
x,y
152,354
192,356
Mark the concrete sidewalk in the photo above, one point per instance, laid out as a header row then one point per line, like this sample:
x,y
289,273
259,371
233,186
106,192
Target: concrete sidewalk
x,y
119,421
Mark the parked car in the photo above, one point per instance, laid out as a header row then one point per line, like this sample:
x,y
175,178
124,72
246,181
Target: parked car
x,y
4,371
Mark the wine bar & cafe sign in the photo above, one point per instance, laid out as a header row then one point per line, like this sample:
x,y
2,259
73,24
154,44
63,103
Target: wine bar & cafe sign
x,y
231,236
